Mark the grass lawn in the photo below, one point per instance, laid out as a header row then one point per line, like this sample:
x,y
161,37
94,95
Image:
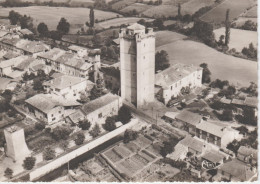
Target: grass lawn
x,y
139,7
52,15
122,4
238,38
194,5
119,21
217,14
166,37
161,10
222,66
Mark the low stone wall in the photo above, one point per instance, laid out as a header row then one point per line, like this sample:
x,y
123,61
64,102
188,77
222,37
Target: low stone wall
x,y
58,162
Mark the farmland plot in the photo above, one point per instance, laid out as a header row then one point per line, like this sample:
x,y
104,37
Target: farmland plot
x,y
138,7
122,4
238,38
166,37
237,7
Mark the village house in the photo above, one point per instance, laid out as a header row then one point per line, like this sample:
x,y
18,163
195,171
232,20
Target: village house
x,y
216,133
7,66
7,84
176,77
235,171
214,157
188,121
10,55
96,111
247,155
13,28
193,145
49,108
67,86
24,32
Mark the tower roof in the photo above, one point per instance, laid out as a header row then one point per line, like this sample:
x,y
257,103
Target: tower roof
x,y
136,26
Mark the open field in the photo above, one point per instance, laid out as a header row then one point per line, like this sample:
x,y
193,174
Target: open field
x,y
138,7
252,12
222,66
122,4
52,15
194,5
237,7
161,10
238,38
119,21
166,37
174,2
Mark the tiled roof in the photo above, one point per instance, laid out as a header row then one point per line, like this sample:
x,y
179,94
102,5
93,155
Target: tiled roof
x,y
52,54
237,102
189,117
192,143
247,151
214,128
25,63
10,55
225,100
76,48
76,116
16,74
12,62
12,41
25,31
4,82
64,81
171,115
98,103
136,26
174,73
251,101
213,156
238,169
3,33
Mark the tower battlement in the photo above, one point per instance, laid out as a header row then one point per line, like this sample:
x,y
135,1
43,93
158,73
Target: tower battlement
x,y
137,32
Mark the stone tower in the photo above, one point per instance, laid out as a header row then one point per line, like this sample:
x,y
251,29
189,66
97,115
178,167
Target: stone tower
x,y
137,64
16,146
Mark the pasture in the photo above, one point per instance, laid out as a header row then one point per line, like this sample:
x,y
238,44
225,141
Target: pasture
x,y
122,4
192,6
166,37
222,66
119,21
238,38
161,10
237,7
52,15
138,7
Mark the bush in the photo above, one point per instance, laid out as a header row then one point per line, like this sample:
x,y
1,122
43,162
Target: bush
x,y
110,124
84,124
29,131
130,135
40,125
95,131
29,163
9,173
11,113
168,146
124,115
61,132
64,145
79,139
48,153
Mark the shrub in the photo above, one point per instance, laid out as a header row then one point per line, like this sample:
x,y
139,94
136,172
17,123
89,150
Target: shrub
x,y
95,131
124,115
30,131
130,135
79,139
40,125
110,124
29,163
64,145
11,113
61,132
84,124
9,173
48,153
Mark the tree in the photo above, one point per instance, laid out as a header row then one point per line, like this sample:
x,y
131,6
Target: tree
x,y
158,23
250,52
43,29
227,115
250,25
95,131
63,26
221,40
124,115
205,73
91,17
48,153
161,60
84,124
97,40
40,125
204,31
130,135
179,10
8,173
61,132
110,124
187,18
29,163
83,98
37,84
227,28
79,139
14,17
64,145
98,90
168,146
26,22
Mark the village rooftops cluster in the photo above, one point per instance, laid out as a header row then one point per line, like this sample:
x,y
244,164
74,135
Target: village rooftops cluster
x,y
174,74
248,101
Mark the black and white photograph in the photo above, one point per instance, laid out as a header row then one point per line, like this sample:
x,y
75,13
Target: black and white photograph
x,y
128,91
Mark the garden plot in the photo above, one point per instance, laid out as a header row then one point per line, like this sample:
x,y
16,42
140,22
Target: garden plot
x,y
138,159
132,147
147,156
142,141
123,152
112,155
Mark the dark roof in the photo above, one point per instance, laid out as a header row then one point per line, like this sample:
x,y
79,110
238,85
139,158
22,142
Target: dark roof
x,y
98,103
238,169
189,117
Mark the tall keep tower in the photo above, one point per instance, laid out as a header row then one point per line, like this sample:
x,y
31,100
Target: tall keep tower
x,y
137,64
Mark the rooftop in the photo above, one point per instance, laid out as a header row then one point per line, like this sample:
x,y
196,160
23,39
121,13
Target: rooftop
x,y
238,169
4,82
136,26
98,103
251,101
213,156
12,62
225,100
192,143
189,117
237,101
76,48
248,151
10,55
76,116
25,31
174,73
52,54
64,81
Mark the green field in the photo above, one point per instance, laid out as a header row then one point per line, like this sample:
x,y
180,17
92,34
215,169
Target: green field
x,y
161,10
237,7
194,5
138,7
166,37
222,66
122,4
118,22
52,15
238,38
